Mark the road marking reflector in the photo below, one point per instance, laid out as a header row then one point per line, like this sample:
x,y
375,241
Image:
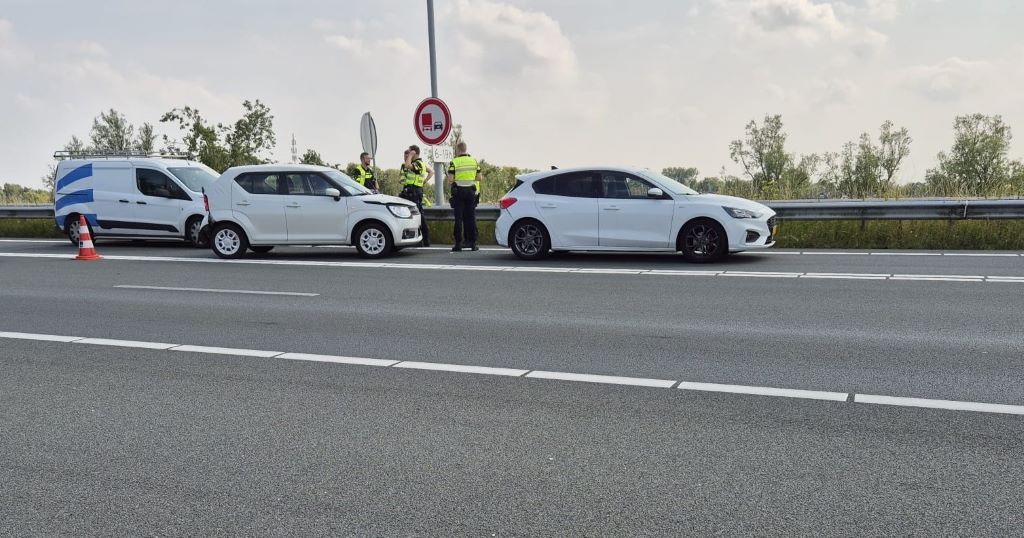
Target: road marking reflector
x,y
940,404
228,351
124,343
606,379
440,367
766,391
336,359
216,290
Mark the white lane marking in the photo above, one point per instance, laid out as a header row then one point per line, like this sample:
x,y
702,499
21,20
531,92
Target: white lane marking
x,y
482,249
760,274
906,254
33,240
846,276
461,368
336,359
774,253
980,255
539,374
227,351
215,290
521,269
606,379
766,391
939,404
41,337
1005,280
835,253
124,343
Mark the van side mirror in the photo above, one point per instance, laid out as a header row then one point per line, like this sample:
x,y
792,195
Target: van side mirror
x,y
655,193
333,193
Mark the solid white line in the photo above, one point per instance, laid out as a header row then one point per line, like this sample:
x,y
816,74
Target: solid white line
x,y
836,253
33,240
906,254
606,379
766,391
1005,280
541,270
756,274
660,272
440,367
773,253
336,359
41,337
215,290
939,404
611,271
227,351
981,255
946,278
124,343
847,276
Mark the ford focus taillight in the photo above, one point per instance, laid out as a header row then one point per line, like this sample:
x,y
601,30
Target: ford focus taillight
x,y
507,202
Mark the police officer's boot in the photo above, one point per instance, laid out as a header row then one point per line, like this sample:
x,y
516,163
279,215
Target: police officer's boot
x,y
457,248
473,247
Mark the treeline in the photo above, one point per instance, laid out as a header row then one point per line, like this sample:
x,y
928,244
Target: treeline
x,y
977,165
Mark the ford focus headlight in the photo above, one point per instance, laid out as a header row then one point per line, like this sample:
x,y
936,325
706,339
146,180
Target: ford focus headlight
x,y
738,213
400,211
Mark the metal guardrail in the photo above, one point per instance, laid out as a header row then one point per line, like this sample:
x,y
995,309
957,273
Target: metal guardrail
x,y
917,209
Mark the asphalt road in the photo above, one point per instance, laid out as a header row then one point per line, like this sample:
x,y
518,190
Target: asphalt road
x,y
121,441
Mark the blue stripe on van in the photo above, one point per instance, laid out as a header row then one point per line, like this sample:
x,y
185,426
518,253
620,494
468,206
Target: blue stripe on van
x,y
77,197
81,172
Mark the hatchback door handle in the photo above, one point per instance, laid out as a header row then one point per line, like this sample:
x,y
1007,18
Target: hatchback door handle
x,y
123,201
612,208
242,203
294,205
141,203
549,206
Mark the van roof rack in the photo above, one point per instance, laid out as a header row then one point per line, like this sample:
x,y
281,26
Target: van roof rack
x,y
102,154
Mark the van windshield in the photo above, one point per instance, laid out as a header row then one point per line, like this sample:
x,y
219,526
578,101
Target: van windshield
x,y
194,178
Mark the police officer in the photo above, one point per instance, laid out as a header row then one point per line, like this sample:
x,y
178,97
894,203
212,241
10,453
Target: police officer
x,y
364,172
464,175
414,175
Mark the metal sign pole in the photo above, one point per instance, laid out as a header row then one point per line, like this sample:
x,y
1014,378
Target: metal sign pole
x,y
439,200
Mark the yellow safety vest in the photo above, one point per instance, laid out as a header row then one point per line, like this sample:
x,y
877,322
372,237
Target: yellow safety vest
x,y
415,177
464,169
363,175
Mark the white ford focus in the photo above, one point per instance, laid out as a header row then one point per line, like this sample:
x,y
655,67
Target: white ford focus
x,y
257,207
627,210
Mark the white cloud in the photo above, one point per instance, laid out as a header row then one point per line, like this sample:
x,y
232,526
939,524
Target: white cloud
x,y
948,80
808,20
884,9
12,52
91,48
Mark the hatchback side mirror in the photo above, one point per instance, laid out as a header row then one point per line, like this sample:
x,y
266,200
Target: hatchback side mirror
x,y
333,193
655,193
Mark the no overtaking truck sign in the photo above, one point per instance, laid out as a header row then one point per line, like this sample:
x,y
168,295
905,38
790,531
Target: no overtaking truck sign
x,y
432,121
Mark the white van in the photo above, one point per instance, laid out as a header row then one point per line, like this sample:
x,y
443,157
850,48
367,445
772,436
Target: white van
x,y
131,196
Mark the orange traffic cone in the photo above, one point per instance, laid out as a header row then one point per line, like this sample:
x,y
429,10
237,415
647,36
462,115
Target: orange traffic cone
x,y
85,249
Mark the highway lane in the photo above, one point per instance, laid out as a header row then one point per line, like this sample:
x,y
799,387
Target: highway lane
x,y
100,440
943,340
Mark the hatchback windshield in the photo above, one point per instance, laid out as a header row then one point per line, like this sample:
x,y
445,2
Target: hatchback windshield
x,y
194,178
347,183
670,184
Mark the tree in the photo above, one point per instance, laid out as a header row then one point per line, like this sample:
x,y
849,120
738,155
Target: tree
x,y
312,157
112,132
864,169
977,164
251,135
146,141
893,148
763,154
200,138
686,176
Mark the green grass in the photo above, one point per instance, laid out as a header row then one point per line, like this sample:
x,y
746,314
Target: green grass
x,y
443,232
29,228
909,234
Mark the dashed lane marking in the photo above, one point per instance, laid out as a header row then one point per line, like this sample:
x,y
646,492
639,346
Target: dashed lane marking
x,y
215,290
537,374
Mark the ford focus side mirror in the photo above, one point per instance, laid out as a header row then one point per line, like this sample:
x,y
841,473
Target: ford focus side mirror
x,y
333,193
655,193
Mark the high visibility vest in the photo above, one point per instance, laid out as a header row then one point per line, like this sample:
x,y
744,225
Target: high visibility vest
x,y
416,176
464,170
363,175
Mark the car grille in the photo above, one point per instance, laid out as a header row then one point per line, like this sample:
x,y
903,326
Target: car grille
x,y
771,223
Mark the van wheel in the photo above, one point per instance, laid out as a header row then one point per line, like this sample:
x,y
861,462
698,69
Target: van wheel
x,y
229,241
373,240
195,233
71,225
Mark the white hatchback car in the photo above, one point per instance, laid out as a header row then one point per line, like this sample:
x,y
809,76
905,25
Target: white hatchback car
x,y
626,210
258,207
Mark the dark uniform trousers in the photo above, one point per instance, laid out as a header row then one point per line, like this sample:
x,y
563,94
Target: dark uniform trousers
x,y
415,195
464,206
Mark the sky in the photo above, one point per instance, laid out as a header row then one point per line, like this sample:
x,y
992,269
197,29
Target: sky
x,y
653,83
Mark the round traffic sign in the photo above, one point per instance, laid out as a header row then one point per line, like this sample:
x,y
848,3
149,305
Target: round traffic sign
x,y
432,121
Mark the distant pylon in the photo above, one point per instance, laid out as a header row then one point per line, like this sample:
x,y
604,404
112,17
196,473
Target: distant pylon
x,y
295,150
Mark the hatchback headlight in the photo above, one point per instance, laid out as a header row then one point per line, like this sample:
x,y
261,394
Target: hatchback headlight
x,y
738,213
400,211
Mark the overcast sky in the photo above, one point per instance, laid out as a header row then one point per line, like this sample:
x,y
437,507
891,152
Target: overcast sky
x,y
567,82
